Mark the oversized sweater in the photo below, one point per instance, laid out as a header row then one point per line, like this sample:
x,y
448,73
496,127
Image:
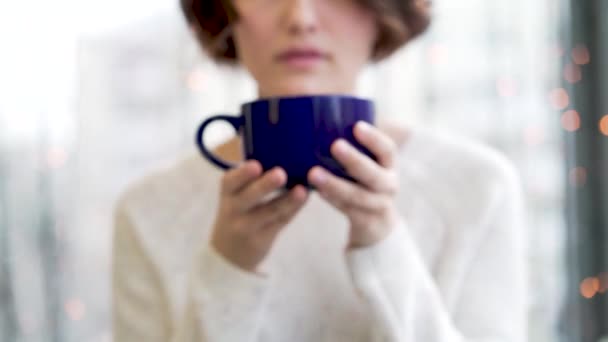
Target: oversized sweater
x,y
452,270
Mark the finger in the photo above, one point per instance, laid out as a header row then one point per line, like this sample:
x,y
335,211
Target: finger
x,y
235,179
275,214
361,167
257,190
378,143
343,194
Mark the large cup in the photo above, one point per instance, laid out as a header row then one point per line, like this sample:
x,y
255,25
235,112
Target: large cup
x,y
294,133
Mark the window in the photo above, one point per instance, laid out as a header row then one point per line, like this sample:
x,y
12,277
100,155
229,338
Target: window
x,y
91,110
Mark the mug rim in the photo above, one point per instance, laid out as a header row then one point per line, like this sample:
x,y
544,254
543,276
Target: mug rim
x,y
305,97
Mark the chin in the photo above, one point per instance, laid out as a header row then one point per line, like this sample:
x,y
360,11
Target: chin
x,y
301,86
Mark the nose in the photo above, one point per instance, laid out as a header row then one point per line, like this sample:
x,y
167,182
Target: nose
x,y
300,16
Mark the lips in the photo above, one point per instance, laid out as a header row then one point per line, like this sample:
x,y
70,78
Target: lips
x,y
302,57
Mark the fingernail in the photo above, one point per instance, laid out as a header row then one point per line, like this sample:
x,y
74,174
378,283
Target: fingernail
x,y
319,176
363,126
279,174
340,146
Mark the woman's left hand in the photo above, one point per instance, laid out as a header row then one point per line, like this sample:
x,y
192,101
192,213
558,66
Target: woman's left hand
x,y
370,205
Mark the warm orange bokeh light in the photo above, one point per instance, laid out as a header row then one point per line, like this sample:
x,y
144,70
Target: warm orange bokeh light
x,y
604,125
589,287
571,121
580,55
559,98
572,73
578,176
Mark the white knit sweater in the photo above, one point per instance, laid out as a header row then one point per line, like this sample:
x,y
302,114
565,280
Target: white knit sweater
x,y
454,270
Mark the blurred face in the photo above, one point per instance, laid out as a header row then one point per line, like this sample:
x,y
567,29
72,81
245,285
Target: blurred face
x,y
294,47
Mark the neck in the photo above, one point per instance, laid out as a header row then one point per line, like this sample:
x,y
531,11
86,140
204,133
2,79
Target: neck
x,y
345,89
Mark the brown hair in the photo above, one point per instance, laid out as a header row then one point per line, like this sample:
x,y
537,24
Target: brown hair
x,y
399,22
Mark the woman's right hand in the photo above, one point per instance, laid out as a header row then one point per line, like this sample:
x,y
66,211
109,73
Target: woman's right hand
x,y
246,224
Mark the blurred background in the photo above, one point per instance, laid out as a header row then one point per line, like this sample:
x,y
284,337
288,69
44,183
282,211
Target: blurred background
x,y
95,94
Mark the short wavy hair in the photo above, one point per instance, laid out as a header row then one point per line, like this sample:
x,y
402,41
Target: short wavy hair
x,y
399,22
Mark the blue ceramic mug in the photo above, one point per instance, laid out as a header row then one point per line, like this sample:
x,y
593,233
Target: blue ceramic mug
x,y
294,133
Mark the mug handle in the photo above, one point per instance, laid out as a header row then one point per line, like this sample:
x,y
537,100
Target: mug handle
x,y
235,122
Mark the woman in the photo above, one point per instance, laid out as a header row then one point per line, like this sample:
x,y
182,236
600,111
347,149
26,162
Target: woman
x,y
429,246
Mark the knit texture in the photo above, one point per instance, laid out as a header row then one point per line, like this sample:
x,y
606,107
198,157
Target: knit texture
x,y
452,270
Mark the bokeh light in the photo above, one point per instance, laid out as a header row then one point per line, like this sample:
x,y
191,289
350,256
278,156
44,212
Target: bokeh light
x,y
580,55
589,287
571,121
604,125
578,176
572,73
559,98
